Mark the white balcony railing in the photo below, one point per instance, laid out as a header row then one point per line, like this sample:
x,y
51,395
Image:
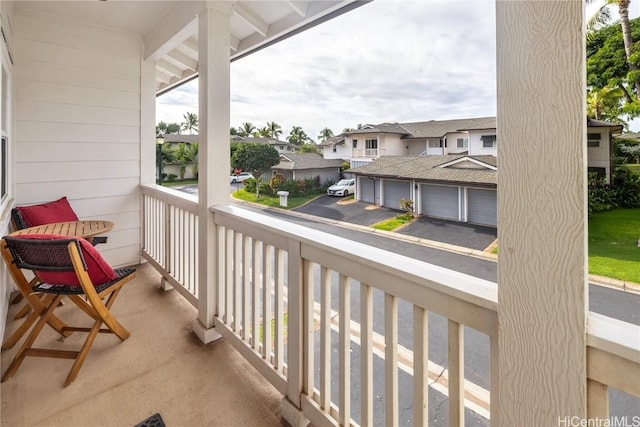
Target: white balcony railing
x,y
170,237
364,152
308,309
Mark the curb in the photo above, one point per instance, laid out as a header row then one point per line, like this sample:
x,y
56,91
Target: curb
x,y
607,282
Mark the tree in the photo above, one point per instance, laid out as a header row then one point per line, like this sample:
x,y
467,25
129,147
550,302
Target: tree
x,y
163,128
605,103
255,158
602,17
262,133
246,129
297,136
164,154
274,130
325,134
632,151
308,148
607,64
173,128
190,122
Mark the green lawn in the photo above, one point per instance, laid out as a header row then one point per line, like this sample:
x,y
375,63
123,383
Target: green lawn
x,y
292,202
178,183
634,168
613,244
392,223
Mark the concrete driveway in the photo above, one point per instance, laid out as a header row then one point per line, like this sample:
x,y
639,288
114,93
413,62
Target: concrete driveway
x,y
348,211
454,233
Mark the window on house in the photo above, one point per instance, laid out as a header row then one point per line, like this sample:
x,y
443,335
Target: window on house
x,y
335,149
371,144
599,172
488,141
354,143
463,142
593,140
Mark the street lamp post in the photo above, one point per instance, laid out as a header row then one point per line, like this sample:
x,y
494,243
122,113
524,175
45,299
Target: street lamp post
x,y
159,143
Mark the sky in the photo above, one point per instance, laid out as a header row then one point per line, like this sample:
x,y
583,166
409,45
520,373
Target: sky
x,y
387,61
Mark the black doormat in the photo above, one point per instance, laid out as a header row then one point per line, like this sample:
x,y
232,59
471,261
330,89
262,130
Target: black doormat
x,y
154,420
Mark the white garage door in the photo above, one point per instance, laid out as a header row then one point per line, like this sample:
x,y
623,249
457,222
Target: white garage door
x,y
367,189
439,201
394,191
482,207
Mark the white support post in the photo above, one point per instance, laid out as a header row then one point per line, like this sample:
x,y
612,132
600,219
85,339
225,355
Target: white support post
x,y
542,272
214,162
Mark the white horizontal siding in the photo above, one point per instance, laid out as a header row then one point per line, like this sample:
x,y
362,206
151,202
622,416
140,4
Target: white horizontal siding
x,y
77,123
42,112
35,152
70,171
73,34
69,93
29,130
81,188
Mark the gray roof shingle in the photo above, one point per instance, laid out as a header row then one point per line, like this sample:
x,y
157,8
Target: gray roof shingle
x,y
300,161
428,169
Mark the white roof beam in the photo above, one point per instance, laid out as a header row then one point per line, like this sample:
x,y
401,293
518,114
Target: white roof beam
x,y
235,42
251,18
169,68
173,29
300,7
192,44
183,59
162,76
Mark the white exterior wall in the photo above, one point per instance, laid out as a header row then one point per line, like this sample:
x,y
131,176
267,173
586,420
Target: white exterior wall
x,y
77,128
343,151
599,157
475,143
452,143
390,145
416,146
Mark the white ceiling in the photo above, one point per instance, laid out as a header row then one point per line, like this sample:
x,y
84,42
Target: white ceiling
x,y
254,25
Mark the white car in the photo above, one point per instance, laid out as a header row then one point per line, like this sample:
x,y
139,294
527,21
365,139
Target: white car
x,y
344,187
240,177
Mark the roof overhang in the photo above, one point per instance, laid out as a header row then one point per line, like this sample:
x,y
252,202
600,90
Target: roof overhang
x,y
168,28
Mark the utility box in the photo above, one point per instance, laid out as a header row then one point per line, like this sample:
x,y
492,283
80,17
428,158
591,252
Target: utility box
x,y
283,198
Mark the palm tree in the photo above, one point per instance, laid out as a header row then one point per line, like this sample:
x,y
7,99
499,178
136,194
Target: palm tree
x,y
246,129
190,122
605,103
297,136
164,154
264,132
603,16
274,130
325,134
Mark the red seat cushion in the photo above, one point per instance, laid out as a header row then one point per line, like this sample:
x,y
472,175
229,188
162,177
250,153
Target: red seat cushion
x,y
98,268
46,213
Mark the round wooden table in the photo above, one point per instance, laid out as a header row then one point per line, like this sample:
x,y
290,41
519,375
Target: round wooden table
x,y
70,228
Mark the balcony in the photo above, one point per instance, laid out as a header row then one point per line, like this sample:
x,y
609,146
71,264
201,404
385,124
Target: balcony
x,y
162,368
339,312
367,153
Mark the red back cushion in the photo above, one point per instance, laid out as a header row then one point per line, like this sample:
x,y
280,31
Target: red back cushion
x,y
57,211
98,269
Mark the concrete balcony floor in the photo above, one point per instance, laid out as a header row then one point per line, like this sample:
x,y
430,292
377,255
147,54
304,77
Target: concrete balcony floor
x,y
162,368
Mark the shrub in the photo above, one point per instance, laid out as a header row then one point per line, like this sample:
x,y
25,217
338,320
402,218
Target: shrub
x,y
171,177
276,182
626,188
407,206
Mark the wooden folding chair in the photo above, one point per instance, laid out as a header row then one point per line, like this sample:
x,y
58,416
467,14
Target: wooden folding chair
x,y
71,268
